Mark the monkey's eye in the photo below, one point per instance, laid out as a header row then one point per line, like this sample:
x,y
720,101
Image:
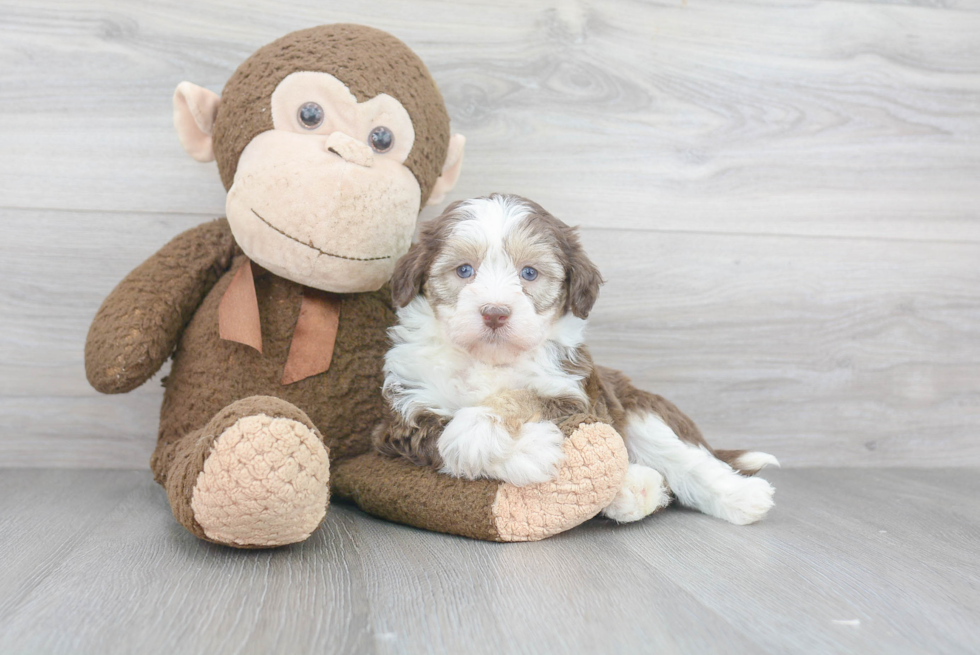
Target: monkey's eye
x,y
311,115
529,274
381,139
465,271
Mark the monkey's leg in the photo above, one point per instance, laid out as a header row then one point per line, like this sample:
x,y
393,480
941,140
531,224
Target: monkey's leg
x,y
256,476
588,480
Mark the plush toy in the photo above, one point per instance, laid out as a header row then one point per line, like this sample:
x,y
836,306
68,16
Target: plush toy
x,y
329,142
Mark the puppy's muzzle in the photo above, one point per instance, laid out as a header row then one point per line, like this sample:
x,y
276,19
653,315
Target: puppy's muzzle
x,y
494,316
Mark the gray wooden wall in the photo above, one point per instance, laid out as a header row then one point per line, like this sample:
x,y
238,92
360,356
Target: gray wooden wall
x,y
784,197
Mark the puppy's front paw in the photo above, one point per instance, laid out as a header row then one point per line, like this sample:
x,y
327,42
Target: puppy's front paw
x,y
644,492
473,443
536,455
747,502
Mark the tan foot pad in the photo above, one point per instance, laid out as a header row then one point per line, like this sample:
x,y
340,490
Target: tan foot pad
x,y
264,484
591,476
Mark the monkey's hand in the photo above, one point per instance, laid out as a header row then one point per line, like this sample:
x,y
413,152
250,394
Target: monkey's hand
x,y
139,324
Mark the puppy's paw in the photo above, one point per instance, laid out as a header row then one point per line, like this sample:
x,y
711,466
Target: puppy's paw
x,y
644,492
747,502
535,457
473,443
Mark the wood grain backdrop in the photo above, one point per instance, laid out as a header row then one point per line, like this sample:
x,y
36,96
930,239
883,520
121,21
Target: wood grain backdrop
x,y
784,197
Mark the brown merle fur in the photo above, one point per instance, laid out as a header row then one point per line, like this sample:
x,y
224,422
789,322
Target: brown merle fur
x,y
415,440
412,269
582,278
624,399
612,398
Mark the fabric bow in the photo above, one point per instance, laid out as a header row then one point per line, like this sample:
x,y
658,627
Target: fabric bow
x,y
314,336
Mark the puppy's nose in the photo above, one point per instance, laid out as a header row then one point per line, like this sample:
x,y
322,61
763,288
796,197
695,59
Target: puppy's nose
x,y
494,316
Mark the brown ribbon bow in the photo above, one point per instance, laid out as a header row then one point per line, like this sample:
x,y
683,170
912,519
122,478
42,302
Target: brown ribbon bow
x,y
314,336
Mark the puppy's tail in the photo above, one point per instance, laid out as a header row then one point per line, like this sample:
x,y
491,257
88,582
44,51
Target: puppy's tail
x,y
620,391
746,462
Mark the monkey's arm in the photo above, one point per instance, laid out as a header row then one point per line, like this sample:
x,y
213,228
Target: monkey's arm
x,y
138,325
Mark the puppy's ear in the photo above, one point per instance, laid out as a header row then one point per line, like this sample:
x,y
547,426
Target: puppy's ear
x,y
406,282
582,276
410,271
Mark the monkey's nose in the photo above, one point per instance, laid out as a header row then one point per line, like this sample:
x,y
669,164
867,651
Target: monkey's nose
x,y
349,149
494,316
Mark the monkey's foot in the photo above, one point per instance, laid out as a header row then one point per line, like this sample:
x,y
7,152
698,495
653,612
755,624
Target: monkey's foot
x,y
644,492
588,480
264,484
255,477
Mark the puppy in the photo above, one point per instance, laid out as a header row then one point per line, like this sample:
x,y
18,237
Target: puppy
x,y
489,360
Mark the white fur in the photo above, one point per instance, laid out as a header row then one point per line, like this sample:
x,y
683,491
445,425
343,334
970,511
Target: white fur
x,y
644,492
697,477
475,445
445,365
755,461
496,281
493,218
429,373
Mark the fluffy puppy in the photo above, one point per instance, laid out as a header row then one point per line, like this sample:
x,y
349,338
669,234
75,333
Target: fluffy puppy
x,y
489,361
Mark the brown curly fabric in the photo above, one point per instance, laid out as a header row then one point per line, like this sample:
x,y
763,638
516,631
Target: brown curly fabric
x,y
209,373
395,489
139,323
369,61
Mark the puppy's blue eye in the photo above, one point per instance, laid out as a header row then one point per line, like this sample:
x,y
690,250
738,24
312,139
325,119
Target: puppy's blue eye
x,y
465,271
529,273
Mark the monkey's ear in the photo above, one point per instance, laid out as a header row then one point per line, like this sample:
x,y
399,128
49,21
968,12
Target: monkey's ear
x,y
195,109
450,170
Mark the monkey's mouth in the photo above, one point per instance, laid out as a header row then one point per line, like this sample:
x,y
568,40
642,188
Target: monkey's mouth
x,y
310,245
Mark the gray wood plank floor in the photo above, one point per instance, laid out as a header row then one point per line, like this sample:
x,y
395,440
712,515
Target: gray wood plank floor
x,y
850,561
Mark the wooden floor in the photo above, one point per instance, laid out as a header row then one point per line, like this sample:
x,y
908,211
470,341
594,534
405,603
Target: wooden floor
x,y
850,561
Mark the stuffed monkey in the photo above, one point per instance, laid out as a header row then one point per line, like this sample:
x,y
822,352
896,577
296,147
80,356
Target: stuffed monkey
x,y
329,142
